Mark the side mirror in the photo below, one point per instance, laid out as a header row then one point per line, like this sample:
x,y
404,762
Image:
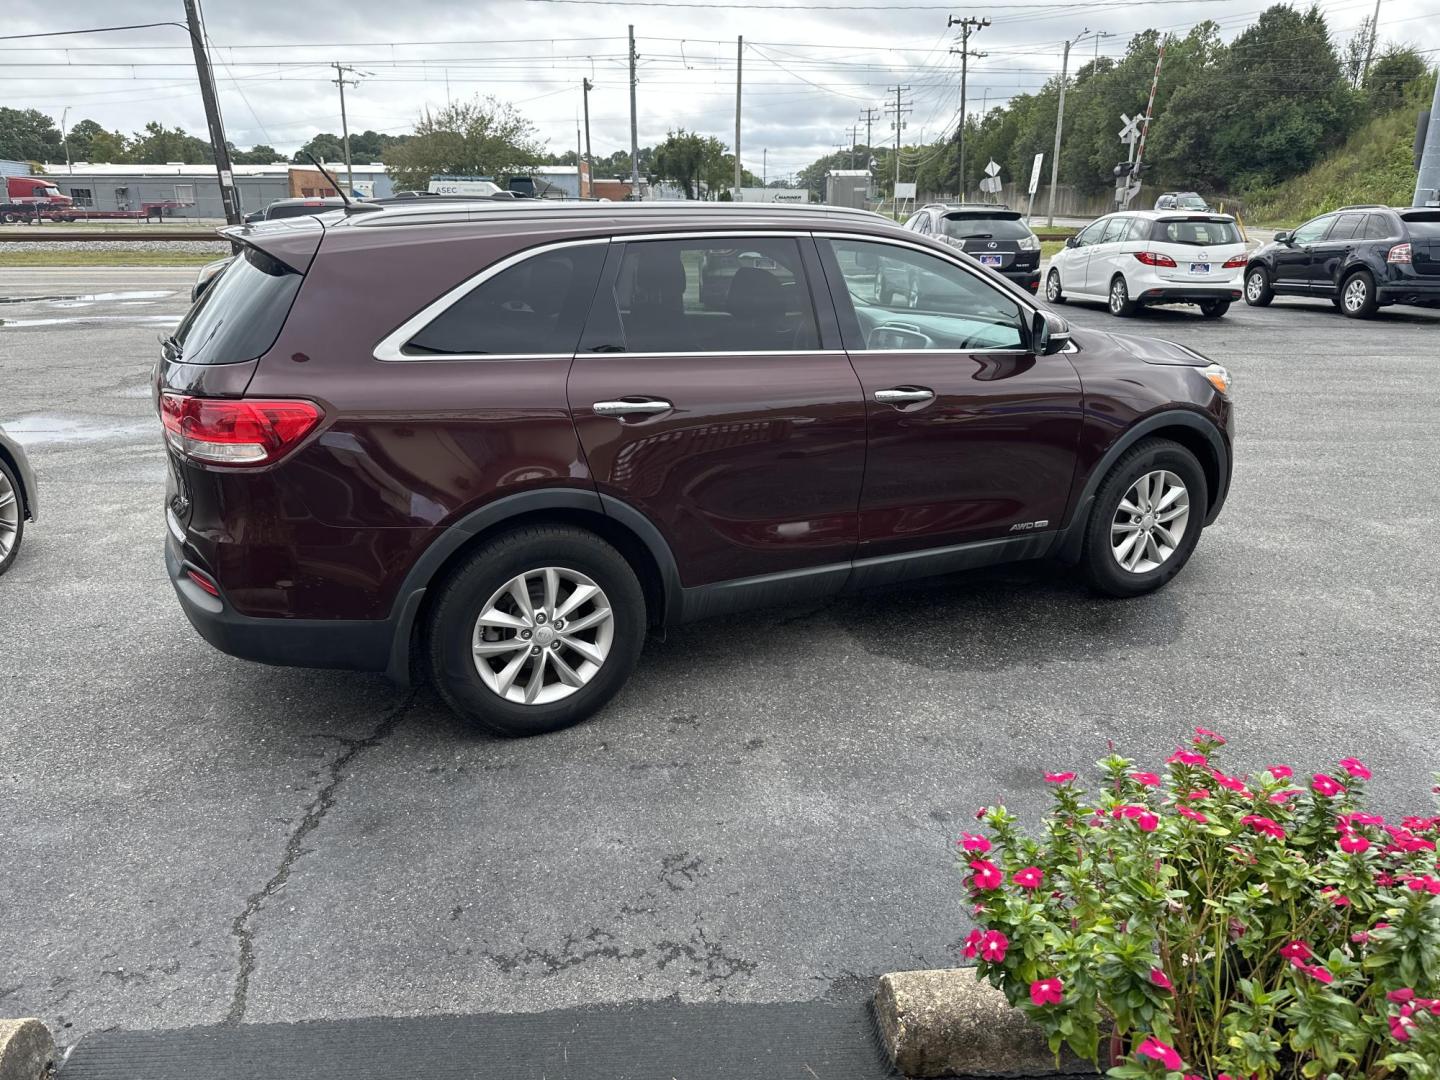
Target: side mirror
x,y
1049,334
1072,241
1282,237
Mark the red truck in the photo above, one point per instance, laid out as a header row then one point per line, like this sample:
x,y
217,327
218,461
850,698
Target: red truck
x,y
29,197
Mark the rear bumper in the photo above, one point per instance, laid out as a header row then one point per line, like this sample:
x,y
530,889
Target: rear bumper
x,y
1410,290
1028,278
1187,294
351,644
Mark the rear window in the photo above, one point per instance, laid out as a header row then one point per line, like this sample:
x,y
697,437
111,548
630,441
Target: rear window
x,y
298,210
1190,202
1198,233
984,227
1423,226
240,315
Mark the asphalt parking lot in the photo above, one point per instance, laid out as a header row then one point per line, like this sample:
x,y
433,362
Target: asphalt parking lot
x,y
763,815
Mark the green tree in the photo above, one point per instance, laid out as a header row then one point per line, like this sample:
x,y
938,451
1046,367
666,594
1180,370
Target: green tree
x,y
1391,74
29,135
109,146
681,159
483,137
325,147
157,145
261,154
81,139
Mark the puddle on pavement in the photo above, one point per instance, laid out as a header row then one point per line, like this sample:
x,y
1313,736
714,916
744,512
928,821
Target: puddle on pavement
x,y
42,430
75,319
81,299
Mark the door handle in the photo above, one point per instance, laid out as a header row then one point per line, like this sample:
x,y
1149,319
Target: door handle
x,y
627,408
903,395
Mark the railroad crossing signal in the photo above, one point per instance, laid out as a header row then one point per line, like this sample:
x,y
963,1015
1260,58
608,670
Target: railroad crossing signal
x,y
1130,132
991,184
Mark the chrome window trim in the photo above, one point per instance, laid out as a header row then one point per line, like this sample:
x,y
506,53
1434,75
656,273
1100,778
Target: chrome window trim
x,y
392,347
751,233
606,354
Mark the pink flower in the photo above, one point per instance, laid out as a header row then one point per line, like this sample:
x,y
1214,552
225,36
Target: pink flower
x,y
1360,937
1145,779
1283,796
1198,793
1230,783
993,946
1326,785
1334,895
1059,777
1296,950
1193,815
1206,733
1355,768
1046,991
1354,844
987,875
1400,1028
1147,821
1347,820
1424,883
1264,825
977,844
1160,979
1032,877
972,944
1281,772
1155,1049
1319,974
1186,757
1400,997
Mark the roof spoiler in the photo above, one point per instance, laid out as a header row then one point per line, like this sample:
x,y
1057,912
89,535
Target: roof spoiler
x,y
292,241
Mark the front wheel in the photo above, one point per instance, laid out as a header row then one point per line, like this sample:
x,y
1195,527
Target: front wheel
x,y
1052,288
536,630
1357,296
1145,520
1214,309
12,518
1258,292
1120,302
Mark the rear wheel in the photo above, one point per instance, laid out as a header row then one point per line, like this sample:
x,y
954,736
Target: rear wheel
x,y
1052,287
12,517
1214,309
1357,296
1258,292
1120,302
1145,520
536,630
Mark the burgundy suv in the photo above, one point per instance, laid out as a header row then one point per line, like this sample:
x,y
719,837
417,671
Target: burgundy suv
x,y
495,443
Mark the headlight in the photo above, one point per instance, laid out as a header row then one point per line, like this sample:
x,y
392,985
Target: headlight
x,y
1029,243
1217,377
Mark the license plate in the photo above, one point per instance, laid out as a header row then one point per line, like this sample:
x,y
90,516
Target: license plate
x,y
1199,268
992,260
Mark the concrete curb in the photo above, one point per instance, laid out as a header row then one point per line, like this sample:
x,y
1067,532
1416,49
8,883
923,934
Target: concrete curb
x,y
26,1050
949,1023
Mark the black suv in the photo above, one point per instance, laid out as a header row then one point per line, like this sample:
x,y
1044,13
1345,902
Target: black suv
x,y
995,236
1360,258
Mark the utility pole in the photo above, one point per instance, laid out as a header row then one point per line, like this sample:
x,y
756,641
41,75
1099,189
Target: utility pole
x,y
854,133
634,136
1370,46
579,167
967,25
869,116
586,86
1059,124
340,72
898,110
739,63
1427,183
765,167
212,115
65,138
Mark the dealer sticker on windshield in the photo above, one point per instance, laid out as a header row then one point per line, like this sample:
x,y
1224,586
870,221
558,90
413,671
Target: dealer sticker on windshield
x,y
992,260
1199,268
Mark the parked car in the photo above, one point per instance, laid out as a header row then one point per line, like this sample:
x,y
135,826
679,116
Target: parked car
x,y
996,236
1182,200
494,445
1360,258
288,208
1140,257
19,499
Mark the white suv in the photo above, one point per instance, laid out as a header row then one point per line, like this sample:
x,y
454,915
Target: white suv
x,y
1152,257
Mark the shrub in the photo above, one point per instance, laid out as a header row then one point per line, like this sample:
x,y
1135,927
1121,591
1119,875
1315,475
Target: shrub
x,y
1216,926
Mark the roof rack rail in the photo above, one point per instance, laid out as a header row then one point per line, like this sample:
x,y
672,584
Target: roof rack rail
x,y
1363,206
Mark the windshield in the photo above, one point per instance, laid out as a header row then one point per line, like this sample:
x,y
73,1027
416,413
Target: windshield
x,y
239,315
1190,202
1424,225
1200,232
984,227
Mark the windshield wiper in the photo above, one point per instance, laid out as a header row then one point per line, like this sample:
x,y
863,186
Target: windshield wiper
x,y
977,236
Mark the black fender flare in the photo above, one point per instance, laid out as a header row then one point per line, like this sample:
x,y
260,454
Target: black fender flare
x,y
508,507
1067,544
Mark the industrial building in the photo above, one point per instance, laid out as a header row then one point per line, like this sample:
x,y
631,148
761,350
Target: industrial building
x,y
848,187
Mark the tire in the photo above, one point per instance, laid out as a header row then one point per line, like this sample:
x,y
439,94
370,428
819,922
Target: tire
x,y
1053,293
1358,299
12,517
1258,292
479,585
1100,555
1120,303
1214,309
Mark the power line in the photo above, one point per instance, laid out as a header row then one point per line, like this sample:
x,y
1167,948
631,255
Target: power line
x,y
92,30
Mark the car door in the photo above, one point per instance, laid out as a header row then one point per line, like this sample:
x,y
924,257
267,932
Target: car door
x,y
1327,256
1104,255
1292,258
738,431
972,435
1074,261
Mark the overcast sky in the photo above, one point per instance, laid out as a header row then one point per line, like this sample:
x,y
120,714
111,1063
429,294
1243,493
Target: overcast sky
x,y
810,69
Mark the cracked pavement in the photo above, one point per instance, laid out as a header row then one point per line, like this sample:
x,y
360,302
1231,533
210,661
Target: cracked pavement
x,y
759,817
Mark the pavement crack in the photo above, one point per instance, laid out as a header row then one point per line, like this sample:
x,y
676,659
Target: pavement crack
x,y
240,928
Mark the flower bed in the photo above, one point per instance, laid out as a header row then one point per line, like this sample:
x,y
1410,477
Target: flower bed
x,y
1196,924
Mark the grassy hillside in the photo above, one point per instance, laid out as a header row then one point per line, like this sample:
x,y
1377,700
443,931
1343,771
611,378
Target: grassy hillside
x,y
1374,166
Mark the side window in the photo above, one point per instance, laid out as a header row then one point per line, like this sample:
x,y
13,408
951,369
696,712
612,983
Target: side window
x,y
923,225
724,295
911,300
1139,229
1347,227
914,220
1312,231
536,306
1378,227
1091,233
1115,229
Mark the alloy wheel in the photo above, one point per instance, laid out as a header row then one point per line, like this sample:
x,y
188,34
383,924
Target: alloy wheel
x,y
543,635
1150,522
1356,293
1254,286
1052,287
1118,296
9,517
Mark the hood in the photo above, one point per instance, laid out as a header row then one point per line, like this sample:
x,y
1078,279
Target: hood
x,y
1155,351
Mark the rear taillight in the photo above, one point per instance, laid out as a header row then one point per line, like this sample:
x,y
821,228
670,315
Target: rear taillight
x,y
1154,258
1236,263
235,432
1400,253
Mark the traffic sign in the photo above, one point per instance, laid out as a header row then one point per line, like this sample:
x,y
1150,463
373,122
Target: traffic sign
x,y
1035,174
992,169
1130,132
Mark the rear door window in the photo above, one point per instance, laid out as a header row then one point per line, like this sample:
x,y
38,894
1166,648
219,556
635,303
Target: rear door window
x,y
240,315
1347,227
535,307
1196,233
730,295
1378,227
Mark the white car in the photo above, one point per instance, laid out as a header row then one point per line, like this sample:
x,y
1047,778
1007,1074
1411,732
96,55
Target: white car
x,y
1142,257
